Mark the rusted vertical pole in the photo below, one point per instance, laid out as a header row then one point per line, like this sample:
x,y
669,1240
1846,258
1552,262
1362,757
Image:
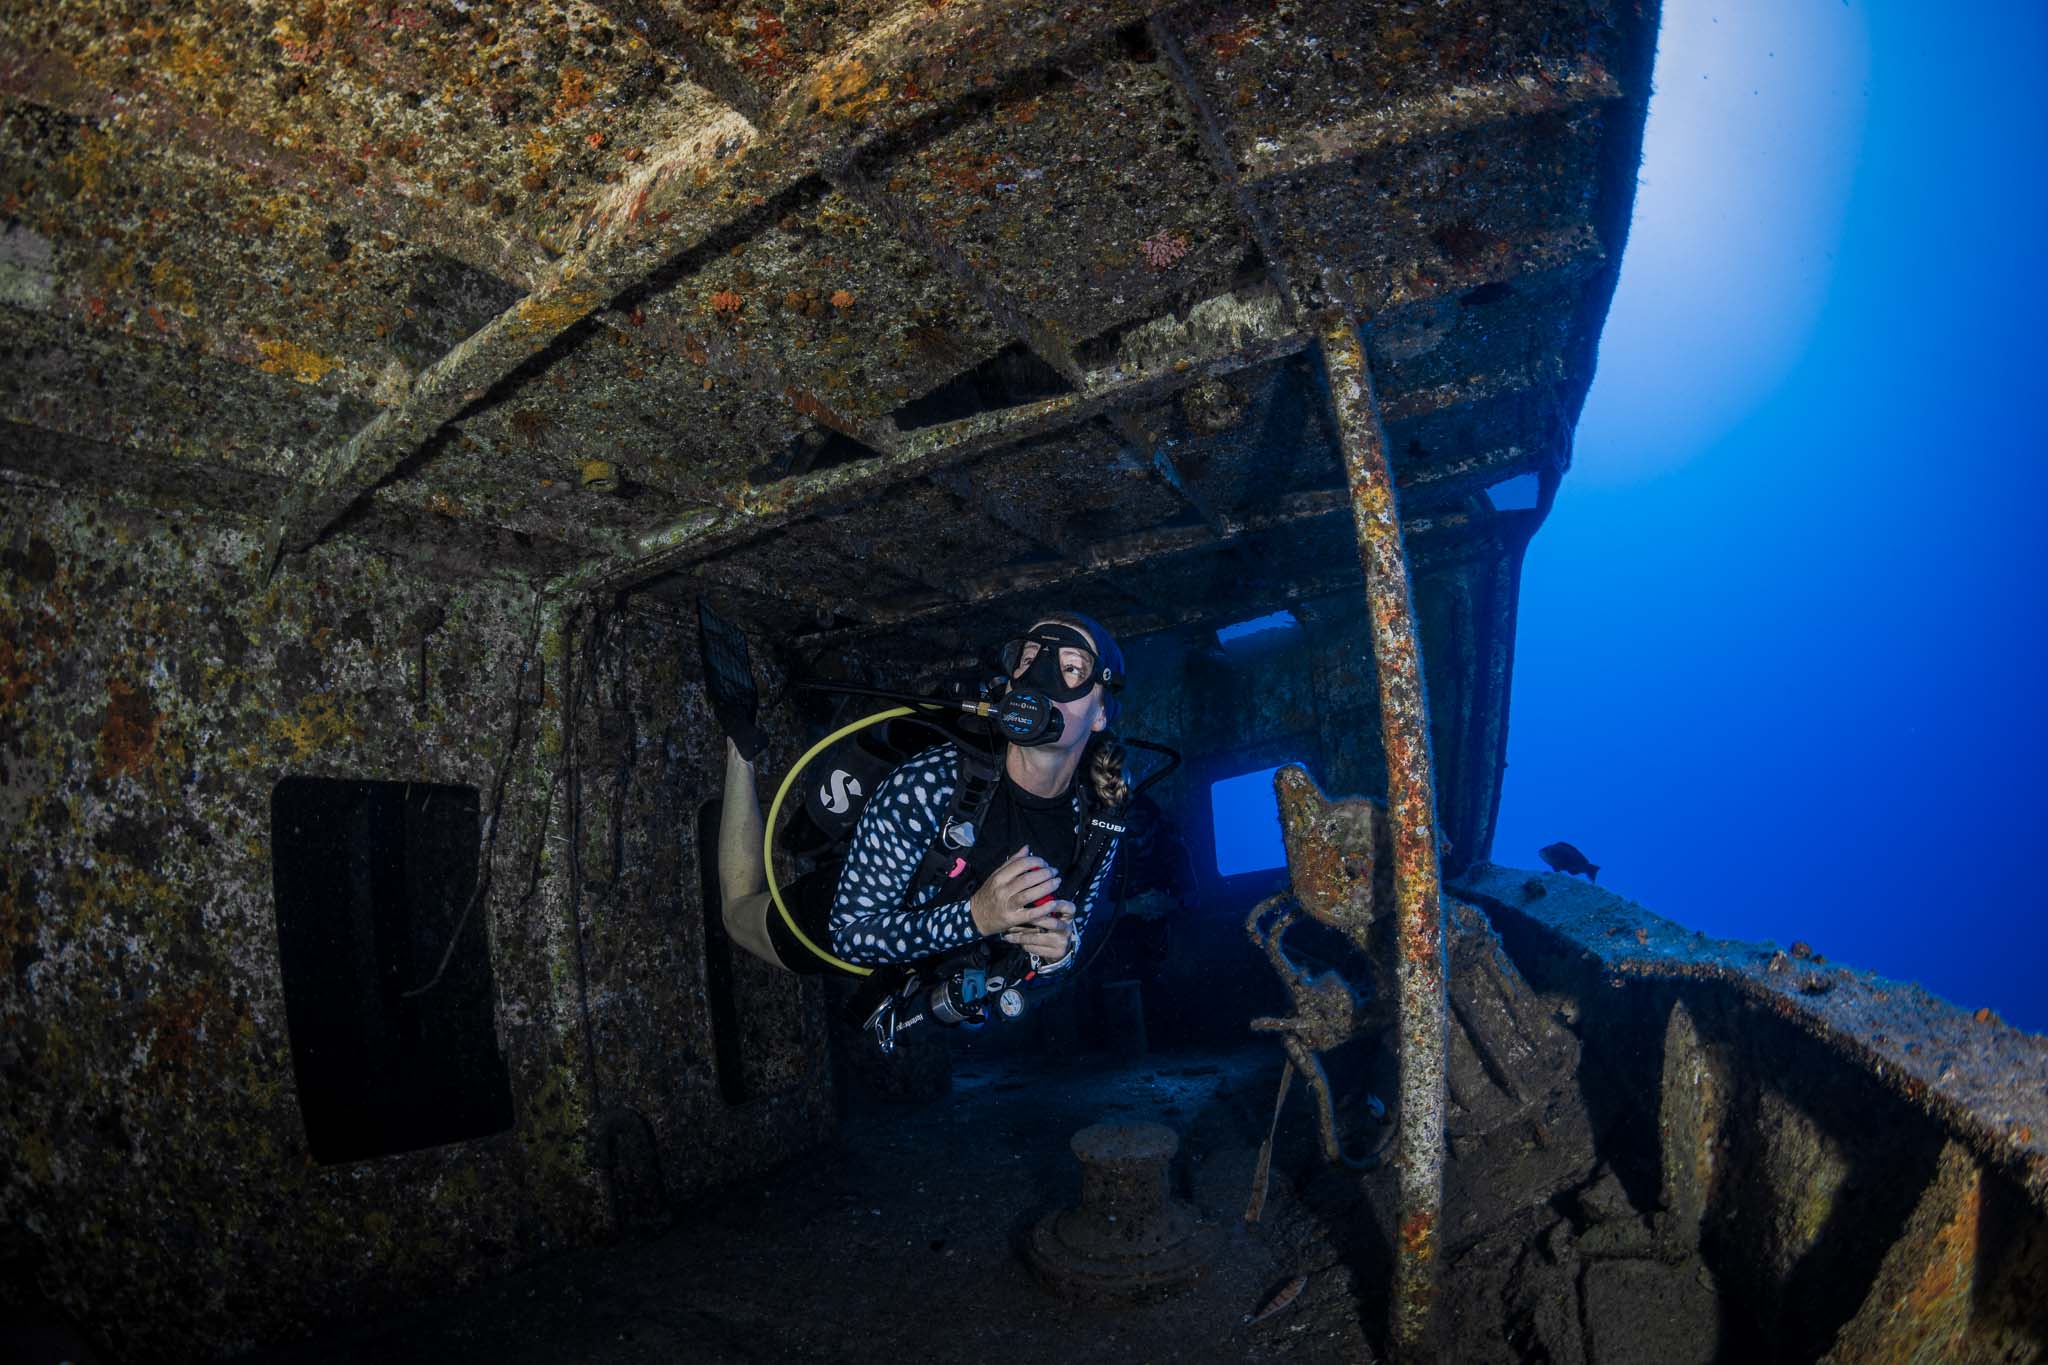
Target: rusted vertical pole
x,y
1411,800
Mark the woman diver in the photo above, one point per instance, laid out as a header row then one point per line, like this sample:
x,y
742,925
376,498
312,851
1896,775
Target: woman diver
x,y
1012,876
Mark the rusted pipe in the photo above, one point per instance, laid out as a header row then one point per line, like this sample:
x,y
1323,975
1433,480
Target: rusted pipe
x,y
1411,801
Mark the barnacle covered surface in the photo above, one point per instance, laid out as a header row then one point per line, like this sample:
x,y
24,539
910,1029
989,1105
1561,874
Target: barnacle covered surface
x,y
890,319
761,241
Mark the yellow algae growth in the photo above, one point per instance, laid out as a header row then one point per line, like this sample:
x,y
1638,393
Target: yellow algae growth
x,y
288,357
553,310
174,287
316,727
541,151
847,89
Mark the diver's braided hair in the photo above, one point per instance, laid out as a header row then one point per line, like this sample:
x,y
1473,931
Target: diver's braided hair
x,y
1107,771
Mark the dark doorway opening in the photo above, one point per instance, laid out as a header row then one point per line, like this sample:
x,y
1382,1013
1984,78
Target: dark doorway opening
x,y
387,968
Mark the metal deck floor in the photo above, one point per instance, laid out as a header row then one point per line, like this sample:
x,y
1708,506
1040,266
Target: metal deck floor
x,y
897,1241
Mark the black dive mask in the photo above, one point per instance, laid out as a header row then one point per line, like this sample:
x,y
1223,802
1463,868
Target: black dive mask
x,y
1058,661
1058,665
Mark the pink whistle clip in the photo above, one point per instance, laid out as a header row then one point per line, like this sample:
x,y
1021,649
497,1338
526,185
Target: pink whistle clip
x,y
959,866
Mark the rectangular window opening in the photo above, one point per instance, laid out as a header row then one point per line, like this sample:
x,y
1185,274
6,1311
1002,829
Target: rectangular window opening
x,y
1518,493
1259,633
1246,818
372,881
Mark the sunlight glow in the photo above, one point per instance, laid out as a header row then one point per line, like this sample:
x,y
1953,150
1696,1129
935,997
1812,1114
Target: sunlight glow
x,y
1743,196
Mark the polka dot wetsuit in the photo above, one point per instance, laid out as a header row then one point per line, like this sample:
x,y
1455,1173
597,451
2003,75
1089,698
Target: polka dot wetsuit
x,y
875,917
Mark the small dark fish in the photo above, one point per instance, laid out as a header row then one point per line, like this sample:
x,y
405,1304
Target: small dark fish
x,y
1284,1295
1564,858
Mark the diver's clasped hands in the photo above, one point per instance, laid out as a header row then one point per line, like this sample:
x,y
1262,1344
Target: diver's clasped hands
x,y
1016,902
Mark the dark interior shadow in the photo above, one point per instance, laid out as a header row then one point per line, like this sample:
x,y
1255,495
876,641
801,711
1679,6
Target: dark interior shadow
x,y
2010,1285
718,976
1888,1149
1621,1059
1336,1196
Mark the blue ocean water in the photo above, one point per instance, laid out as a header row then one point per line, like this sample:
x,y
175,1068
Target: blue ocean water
x,y
1780,652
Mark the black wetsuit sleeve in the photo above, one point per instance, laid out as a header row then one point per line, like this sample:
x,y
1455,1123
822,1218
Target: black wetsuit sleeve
x,y
871,921
1085,908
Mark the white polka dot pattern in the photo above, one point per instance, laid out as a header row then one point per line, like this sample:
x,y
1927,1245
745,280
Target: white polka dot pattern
x,y
888,844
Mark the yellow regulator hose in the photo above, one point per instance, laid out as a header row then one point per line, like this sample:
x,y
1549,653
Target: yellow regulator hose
x,y
775,809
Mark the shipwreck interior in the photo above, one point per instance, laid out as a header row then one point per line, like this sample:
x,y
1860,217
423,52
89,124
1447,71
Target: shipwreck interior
x,y
385,385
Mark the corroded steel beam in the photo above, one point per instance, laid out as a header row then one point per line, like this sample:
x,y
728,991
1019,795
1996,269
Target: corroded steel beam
x,y
1201,613
1217,147
845,175
1145,547
760,374
1129,626
821,602
1411,800
1173,476
1036,334
1255,338
1004,513
536,914
710,178
1236,608
1149,546
1449,478
1502,580
642,223
857,547
1544,373
1456,110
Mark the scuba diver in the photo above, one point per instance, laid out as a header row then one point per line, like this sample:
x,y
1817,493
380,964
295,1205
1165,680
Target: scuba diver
x,y
997,859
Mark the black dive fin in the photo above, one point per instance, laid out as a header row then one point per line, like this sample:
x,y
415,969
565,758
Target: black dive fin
x,y
729,680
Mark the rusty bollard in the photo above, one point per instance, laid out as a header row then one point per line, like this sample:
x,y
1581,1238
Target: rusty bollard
x,y
1129,1241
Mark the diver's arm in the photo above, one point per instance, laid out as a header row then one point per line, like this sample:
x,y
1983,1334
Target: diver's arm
x,y
1084,909
869,923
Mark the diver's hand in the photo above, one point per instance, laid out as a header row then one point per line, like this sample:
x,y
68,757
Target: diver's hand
x,y
1048,939
1004,901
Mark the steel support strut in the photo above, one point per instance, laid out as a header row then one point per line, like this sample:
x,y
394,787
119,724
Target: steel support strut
x,y
1411,801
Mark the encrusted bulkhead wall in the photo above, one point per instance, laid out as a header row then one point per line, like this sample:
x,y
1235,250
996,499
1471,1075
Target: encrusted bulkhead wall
x,y
678,1107
155,1173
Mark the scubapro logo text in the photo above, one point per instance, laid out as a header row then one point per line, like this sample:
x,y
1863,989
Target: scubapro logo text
x,y
839,791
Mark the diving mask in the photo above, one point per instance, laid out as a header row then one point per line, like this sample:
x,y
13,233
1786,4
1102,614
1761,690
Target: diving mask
x,y
1057,660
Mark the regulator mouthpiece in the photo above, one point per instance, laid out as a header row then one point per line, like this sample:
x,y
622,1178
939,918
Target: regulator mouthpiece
x,y
1027,717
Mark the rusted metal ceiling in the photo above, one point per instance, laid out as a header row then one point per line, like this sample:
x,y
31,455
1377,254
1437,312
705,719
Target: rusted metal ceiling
x,y
878,311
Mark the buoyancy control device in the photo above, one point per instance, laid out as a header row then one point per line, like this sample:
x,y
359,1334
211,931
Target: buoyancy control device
x,y
835,777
